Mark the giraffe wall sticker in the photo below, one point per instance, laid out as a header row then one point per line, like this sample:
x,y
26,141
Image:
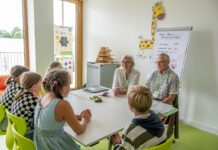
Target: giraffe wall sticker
x,y
158,13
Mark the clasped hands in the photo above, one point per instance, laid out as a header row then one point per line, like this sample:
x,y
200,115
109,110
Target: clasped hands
x,y
86,114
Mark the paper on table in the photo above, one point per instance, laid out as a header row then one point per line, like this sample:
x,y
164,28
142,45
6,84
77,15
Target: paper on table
x,y
154,103
162,108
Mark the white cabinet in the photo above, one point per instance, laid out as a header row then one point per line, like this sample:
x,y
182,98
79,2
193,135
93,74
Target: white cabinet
x,y
100,74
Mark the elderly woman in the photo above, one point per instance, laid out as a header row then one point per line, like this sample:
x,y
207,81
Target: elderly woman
x,y
125,76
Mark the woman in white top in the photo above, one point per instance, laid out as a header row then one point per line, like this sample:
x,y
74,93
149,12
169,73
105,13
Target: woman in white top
x,y
125,76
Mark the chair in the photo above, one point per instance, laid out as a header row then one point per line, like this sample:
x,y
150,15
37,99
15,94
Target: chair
x,y
20,125
173,125
164,146
21,142
2,116
3,86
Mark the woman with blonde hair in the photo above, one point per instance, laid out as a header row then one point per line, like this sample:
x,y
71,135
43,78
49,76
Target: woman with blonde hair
x,y
125,76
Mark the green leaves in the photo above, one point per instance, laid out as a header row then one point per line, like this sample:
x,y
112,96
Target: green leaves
x,y
16,33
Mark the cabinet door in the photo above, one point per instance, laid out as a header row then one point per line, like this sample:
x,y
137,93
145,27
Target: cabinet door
x,y
93,75
107,75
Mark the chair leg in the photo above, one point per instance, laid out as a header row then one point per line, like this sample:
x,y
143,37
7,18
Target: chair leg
x,y
176,130
170,127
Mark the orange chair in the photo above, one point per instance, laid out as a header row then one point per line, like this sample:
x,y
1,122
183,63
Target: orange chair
x,y
3,86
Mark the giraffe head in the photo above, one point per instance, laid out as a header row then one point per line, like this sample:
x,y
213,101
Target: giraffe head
x,y
159,11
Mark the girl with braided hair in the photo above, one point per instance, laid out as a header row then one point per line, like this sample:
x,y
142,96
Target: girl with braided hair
x,y
53,111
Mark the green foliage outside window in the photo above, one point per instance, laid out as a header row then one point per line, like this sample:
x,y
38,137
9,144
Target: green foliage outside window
x,y
16,33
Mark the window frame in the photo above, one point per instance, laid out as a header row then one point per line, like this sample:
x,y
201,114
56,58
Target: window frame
x,y
79,42
26,39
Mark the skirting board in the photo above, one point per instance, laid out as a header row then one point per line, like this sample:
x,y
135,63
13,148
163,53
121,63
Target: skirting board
x,y
201,126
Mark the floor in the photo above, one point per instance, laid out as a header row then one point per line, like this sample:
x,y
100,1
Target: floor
x,y
190,139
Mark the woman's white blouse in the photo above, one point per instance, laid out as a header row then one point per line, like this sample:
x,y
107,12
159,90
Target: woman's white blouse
x,y
118,78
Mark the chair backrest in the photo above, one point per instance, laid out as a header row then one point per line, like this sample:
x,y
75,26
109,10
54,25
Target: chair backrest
x,y
164,146
176,102
21,142
3,80
2,112
20,125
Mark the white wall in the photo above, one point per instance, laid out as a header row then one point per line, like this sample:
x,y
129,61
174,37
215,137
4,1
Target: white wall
x,y
41,36
118,23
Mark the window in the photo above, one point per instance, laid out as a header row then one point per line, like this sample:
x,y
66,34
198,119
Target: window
x,y
13,35
68,38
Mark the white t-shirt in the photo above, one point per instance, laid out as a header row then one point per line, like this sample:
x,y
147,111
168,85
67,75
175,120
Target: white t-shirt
x,y
119,79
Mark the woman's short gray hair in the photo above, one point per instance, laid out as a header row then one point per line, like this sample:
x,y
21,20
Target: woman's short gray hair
x,y
128,57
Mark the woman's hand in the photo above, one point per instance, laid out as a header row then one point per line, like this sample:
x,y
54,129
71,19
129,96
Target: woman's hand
x,y
117,91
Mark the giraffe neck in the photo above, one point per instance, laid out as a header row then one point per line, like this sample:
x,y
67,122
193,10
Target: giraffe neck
x,y
153,25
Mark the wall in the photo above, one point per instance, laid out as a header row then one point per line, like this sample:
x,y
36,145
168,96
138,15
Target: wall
x,y
41,36
118,23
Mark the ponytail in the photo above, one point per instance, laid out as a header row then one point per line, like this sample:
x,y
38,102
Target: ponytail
x,y
56,89
8,81
15,72
19,94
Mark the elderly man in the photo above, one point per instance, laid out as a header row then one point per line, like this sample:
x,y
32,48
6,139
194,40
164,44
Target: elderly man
x,y
164,83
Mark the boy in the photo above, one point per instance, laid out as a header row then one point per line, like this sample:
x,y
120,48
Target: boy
x,y
146,129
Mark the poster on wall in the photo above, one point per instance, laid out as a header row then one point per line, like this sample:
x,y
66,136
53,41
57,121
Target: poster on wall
x,y
175,44
63,40
66,61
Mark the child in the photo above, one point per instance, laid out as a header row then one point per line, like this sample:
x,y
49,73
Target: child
x,y
52,111
53,65
13,86
146,129
25,102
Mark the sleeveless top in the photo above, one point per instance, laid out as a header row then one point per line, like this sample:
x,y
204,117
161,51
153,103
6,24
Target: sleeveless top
x,y
48,133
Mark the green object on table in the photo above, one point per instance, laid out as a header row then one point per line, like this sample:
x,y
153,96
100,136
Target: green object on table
x,y
92,98
96,98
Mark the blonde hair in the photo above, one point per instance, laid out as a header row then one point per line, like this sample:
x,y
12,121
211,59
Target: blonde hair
x,y
130,58
27,80
53,65
140,97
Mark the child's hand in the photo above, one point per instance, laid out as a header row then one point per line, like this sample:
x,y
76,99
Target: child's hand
x,y
86,114
115,139
79,117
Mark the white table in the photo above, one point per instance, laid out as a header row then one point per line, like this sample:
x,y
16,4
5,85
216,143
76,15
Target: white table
x,y
108,117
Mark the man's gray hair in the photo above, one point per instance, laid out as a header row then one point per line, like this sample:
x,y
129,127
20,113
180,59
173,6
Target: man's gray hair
x,y
128,57
166,57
